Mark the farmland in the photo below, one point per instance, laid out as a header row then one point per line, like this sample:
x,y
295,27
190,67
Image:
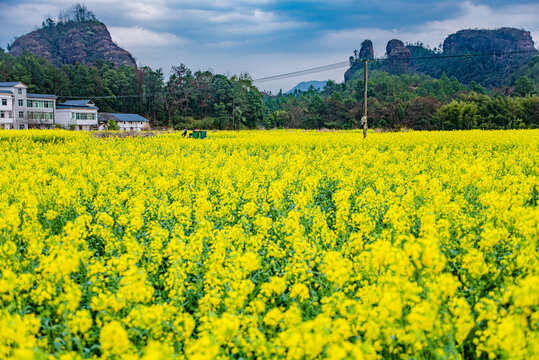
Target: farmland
x,y
270,244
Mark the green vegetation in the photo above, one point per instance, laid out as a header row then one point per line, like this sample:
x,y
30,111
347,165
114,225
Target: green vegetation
x,y
406,101
202,98
488,71
206,100
112,125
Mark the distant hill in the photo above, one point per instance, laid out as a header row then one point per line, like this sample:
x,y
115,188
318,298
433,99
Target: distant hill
x,y
305,85
77,37
489,71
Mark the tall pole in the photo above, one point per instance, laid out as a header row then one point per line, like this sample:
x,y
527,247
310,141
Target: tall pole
x,y
364,120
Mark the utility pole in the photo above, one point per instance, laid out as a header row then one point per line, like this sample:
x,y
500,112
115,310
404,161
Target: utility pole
x,y
364,119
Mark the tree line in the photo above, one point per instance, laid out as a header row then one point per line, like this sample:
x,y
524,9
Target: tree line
x,y
203,99
408,101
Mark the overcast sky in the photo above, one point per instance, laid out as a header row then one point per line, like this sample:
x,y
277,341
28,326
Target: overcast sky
x,y
269,37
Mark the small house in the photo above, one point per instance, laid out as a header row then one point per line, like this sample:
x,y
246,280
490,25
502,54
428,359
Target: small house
x,y
77,115
129,122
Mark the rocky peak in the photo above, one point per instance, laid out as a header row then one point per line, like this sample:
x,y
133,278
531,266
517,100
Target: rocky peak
x,y
396,50
73,42
398,54
366,51
489,41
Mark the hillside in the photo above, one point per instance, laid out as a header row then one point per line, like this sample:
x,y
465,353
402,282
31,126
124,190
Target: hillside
x,y
306,85
76,39
489,71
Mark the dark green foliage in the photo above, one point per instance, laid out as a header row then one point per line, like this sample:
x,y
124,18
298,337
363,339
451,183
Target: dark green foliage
x,y
524,86
203,100
112,125
488,112
408,101
186,100
487,71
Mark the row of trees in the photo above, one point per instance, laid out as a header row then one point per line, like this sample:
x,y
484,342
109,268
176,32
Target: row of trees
x,y
206,100
406,101
186,99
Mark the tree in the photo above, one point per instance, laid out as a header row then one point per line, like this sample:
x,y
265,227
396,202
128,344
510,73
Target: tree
x,y
419,112
524,86
112,125
77,13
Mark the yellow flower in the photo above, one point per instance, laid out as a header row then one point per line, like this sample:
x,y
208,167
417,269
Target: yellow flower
x,y
273,317
299,291
114,339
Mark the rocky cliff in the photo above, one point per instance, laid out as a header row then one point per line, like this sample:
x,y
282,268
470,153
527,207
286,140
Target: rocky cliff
x,y
489,71
488,41
367,51
73,42
398,54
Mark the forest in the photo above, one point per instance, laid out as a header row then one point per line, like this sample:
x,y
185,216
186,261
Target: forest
x,y
182,98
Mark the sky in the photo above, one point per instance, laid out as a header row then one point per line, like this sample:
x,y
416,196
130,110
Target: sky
x,y
271,37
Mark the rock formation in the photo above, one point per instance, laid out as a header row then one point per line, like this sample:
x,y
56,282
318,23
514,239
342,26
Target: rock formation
x,y
366,51
488,71
396,50
488,41
398,54
72,43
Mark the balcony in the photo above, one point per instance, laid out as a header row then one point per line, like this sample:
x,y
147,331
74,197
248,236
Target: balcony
x,y
83,122
6,120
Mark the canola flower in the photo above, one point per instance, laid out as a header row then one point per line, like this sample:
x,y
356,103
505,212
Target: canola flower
x,y
270,244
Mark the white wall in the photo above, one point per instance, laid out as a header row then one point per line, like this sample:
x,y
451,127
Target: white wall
x,y
64,118
132,125
7,121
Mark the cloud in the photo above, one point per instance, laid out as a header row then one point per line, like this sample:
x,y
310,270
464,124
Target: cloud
x,y
433,33
268,37
137,36
245,21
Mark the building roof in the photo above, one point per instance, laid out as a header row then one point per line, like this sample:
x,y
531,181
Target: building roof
x,y
41,96
6,92
78,103
125,117
75,107
10,83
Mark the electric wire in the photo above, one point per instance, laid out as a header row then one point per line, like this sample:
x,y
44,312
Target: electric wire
x,y
309,71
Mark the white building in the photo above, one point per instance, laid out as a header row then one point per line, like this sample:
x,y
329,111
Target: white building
x,y
40,111
27,110
6,110
77,115
130,122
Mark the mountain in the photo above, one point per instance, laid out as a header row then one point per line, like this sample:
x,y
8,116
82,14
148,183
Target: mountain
x,y
499,69
488,41
77,38
305,85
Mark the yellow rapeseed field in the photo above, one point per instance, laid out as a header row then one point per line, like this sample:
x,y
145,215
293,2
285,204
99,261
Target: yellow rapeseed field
x,y
270,244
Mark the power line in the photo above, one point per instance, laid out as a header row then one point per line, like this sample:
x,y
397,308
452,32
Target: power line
x,y
314,70
305,72
348,63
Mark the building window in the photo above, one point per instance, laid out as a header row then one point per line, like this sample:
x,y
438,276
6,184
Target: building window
x,y
20,91
21,127
21,114
83,116
39,104
21,103
40,116
2,114
4,102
